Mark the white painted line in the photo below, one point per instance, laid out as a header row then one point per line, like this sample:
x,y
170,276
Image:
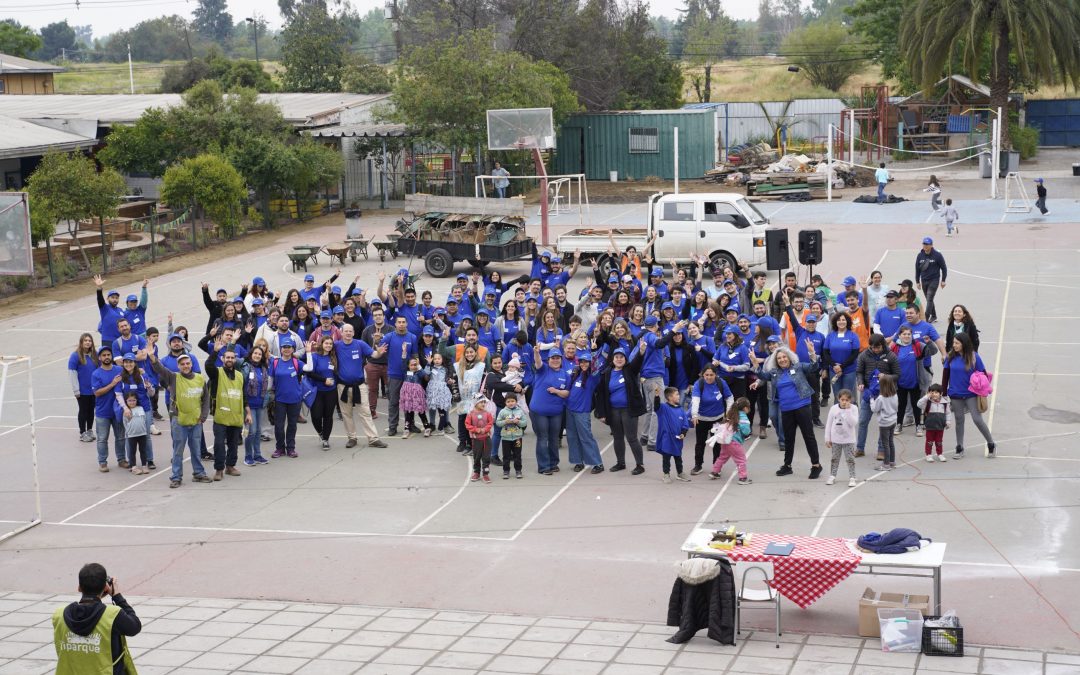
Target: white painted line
x,y
1043,318
1044,459
450,501
40,419
1037,568
773,214
1030,374
1012,342
997,360
723,490
1025,283
554,497
845,493
115,494
930,217
251,530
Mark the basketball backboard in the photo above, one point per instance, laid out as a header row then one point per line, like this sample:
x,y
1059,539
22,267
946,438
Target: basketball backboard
x,y
16,257
521,129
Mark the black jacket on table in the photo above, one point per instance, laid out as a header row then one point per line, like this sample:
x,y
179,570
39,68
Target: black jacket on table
x,y
709,605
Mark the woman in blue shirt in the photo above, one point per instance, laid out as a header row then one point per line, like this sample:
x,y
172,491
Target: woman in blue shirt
x,y
133,381
257,384
709,400
285,374
81,365
509,323
321,368
579,436
485,331
840,353
909,355
793,393
732,358
550,391
962,362
620,403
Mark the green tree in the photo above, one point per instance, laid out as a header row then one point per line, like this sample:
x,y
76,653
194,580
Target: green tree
x,y
363,76
160,39
17,39
212,183
314,50
212,20
229,73
877,22
267,164
375,37
68,188
449,86
826,52
56,38
1040,35
315,166
708,41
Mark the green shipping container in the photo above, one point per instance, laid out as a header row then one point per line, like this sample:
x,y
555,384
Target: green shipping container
x,y
637,144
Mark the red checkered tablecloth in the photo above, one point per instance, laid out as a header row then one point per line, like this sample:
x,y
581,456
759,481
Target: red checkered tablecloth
x,y
813,568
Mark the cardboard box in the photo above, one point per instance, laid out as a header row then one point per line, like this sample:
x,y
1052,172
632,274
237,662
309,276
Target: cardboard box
x,y
871,601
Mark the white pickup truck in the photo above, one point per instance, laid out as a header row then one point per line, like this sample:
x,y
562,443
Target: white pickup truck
x,y
722,227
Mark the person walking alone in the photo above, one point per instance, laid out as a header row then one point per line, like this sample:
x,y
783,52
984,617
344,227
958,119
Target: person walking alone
x,y
931,273
1040,192
501,182
881,175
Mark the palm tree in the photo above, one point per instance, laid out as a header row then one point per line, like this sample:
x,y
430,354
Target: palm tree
x,y
1042,34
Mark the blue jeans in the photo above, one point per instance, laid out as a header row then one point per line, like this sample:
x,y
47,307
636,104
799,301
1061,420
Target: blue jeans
x,y
192,437
253,442
881,193
547,440
579,436
845,381
500,192
102,425
774,417
864,422
496,438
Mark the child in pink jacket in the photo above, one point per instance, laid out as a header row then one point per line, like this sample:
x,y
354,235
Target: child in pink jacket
x,y
841,429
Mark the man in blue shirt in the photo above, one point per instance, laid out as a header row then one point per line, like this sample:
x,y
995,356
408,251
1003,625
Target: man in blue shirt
x,y
654,374
400,346
106,416
351,357
110,312
136,310
888,319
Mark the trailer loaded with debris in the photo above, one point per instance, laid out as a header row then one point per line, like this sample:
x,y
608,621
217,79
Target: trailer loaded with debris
x,y
765,173
444,230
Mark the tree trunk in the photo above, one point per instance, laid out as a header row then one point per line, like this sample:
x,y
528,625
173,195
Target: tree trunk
x,y
78,245
708,82
999,81
696,81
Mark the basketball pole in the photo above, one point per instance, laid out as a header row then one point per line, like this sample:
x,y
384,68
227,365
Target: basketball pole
x,y
5,363
538,159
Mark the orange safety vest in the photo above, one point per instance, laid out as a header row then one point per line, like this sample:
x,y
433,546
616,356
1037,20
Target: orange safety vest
x,y
789,331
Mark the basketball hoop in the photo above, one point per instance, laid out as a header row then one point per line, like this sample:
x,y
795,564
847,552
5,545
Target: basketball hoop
x,y
520,129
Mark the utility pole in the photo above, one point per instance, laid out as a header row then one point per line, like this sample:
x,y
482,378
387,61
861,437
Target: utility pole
x,y
392,13
131,71
254,21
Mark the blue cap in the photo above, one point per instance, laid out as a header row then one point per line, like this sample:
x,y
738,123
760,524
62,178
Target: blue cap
x,y
375,301
545,254
773,338
584,355
743,316
258,281
668,305
812,317
238,299
657,272
112,293
175,336
339,310
451,299
612,276
651,321
358,291
428,330
285,342
556,259
335,290
729,281
440,310
403,271
325,314
619,350
531,297
554,353
850,280
256,301
462,275
490,290
1038,180
485,311
732,330
928,241
129,357
309,277
729,310
132,298
103,348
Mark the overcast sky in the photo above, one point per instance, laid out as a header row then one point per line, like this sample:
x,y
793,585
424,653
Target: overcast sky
x,y
107,16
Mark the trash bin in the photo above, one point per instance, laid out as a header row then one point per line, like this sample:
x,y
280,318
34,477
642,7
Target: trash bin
x,y
613,176
352,223
1008,161
1076,169
901,630
985,165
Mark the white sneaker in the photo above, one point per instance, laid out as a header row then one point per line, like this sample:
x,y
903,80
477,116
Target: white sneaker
x,y
406,434
830,480
154,430
896,431
852,482
667,477
930,458
942,458
919,430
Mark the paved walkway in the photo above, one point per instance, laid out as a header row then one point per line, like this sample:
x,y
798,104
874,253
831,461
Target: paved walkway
x,y
204,636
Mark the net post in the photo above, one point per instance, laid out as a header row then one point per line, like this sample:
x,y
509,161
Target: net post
x,y
6,363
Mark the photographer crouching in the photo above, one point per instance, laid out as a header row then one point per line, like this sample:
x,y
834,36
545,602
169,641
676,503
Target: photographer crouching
x,y
90,636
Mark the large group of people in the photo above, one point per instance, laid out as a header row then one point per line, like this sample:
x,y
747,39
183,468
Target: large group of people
x,y
656,353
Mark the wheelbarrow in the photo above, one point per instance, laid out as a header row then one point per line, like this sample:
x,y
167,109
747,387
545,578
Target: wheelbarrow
x,y
338,251
311,252
357,246
298,259
386,248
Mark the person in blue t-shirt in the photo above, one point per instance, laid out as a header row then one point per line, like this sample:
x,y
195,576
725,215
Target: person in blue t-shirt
x,y
550,391
793,393
352,355
81,366
654,373
135,310
110,310
104,381
841,351
285,374
400,347
887,319
961,363
582,445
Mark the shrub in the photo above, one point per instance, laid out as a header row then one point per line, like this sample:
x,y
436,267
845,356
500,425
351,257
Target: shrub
x,y
1025,140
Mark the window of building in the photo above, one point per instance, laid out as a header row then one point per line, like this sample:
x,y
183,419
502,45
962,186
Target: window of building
x,y
644,139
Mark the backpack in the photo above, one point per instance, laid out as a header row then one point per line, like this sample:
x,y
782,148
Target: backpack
x,y
722,433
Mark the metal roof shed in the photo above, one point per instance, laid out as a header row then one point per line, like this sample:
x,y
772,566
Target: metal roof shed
x,y
637,144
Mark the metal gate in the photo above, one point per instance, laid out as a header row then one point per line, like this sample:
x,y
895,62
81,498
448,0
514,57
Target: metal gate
x,y
1058,121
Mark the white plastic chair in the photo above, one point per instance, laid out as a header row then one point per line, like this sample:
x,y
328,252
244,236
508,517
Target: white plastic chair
x,y
751,585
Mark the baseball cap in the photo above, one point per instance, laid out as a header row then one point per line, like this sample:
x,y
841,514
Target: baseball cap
x,y
256,301
358,291
729,310
657,272
545,254
554,354
729,282
309,277
462,275
773,338
375,301
285,342
220,290
651,321
485,311
451,299
339,310
336,290
258,281
850,280
556,259
627,278
112,293
717,271
892,294
237,299
325,314
490,290
531,298
129,357
731,330
668,305
584,355
183,356
428,330
104,348
133,298
440,310
1038,180
619,350
927,241
812,317
175,336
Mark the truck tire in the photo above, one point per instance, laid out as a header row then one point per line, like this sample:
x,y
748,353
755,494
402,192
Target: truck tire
x,y
478,264
722,259
606,263
439,263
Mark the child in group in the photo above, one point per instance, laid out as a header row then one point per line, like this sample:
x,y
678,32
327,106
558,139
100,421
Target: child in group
x,y
885,404
412,398
841,429
511,422
734,429
479,423
440,382
936,412
136,428
513,372
950,216
934,188
672,424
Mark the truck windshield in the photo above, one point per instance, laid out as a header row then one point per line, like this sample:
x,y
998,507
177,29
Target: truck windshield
x,y
751,211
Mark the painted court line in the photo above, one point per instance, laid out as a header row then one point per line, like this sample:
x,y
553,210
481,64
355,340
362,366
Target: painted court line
x,y
845,493
723,490
554,497
997,357
439,510
252,530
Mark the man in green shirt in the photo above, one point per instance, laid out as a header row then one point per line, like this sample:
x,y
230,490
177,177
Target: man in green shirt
x,y
90,636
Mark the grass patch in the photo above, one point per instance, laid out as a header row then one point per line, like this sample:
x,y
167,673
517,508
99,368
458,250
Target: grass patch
x,y
766,79
112,78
